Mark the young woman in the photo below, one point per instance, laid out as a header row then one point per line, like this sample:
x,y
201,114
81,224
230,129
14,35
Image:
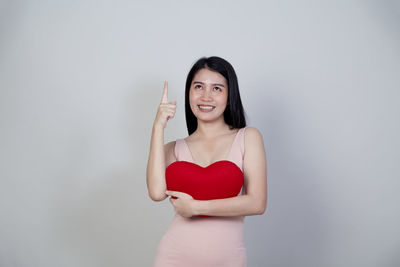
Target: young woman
x,y
215,176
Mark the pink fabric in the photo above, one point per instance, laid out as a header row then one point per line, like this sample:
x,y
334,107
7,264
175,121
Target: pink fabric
x,y
204,242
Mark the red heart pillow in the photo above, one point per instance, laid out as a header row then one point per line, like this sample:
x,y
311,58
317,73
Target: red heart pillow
x,y
222,179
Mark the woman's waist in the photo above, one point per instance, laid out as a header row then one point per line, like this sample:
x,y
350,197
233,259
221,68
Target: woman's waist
x,y
211,221
224,232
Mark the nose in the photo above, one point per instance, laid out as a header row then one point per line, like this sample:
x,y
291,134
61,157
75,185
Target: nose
x,y
207,94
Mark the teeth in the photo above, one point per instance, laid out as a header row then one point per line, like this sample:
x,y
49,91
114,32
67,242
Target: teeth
x,y
206,107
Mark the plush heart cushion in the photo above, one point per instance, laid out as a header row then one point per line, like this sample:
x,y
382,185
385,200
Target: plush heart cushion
x,y
222,179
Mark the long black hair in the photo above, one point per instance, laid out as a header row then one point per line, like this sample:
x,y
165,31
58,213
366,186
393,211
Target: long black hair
x,y
234,113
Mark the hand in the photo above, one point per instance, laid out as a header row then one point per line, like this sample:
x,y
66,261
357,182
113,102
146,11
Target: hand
x,y
183,203
166,110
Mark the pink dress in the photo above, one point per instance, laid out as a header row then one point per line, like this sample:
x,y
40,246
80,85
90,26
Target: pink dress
x,y
214,241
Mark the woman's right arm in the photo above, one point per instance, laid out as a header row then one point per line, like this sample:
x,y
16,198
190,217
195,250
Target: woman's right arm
x,y
160,154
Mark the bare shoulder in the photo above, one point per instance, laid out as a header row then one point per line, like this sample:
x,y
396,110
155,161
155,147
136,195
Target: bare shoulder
x,y
169,145
252,133
169,152
253,139
252,130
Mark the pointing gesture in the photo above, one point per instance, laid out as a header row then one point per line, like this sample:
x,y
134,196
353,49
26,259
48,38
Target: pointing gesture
x,y
166,110
164,99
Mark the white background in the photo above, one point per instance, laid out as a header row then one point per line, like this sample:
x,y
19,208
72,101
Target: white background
x,y
80,84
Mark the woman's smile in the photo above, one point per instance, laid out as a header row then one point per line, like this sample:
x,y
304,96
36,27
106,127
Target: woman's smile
x,y
206,108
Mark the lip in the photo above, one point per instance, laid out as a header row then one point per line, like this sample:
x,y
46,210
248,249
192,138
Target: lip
x,y
206,110
206,105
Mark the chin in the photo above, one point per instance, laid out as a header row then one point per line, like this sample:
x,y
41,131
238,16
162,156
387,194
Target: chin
x,y
208,118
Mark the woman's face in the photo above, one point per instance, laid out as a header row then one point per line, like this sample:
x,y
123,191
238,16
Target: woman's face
x,y
208,95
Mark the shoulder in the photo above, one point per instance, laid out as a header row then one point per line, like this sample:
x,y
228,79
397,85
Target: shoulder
x,y
252,132
169,148
253,139
169,151
170,144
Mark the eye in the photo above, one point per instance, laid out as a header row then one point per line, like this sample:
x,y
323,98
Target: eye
x,y
217,88
197,86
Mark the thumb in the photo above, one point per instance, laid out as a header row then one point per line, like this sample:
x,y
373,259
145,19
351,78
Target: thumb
x,y
172,194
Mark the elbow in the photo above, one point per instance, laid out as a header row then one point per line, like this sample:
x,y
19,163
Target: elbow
x,y
261,211
157,197
262,208
156,192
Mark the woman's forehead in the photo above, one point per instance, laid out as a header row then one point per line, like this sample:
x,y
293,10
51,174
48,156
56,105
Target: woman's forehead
x,y
209,77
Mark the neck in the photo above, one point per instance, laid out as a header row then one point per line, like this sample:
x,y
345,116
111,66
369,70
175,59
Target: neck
x,y
211,129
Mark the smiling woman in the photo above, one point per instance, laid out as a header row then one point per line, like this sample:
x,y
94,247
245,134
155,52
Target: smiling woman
x,y
208,92
216,176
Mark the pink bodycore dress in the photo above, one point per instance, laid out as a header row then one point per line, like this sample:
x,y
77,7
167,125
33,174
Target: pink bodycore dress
x,y
215,241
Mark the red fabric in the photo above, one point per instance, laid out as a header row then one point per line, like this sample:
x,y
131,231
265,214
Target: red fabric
x,y
222,179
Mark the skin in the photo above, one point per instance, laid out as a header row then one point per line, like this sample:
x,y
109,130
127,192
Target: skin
x,y
211,142
209,88
155,171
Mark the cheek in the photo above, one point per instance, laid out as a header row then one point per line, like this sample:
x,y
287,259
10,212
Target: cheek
x,y
223,99
192,99
194,96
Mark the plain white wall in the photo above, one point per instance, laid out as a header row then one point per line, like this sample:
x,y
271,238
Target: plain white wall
x,y
80,84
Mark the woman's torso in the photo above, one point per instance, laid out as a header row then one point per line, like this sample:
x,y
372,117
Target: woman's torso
x,y
204,241
213,232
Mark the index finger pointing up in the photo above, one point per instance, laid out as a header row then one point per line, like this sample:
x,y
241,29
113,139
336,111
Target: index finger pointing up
x,y
164,98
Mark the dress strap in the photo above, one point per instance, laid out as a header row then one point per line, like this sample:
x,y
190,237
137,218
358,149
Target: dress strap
x,y
241,140
237,150
181,151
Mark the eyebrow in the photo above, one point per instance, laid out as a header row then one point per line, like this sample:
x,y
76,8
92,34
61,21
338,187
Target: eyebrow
x,y
219,84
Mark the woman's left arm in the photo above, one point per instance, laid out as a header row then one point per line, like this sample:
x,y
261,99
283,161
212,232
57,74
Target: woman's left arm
x,y
253,202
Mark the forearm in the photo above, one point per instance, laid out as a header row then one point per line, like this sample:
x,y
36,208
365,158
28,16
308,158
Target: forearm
x,y
242,205
155,172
